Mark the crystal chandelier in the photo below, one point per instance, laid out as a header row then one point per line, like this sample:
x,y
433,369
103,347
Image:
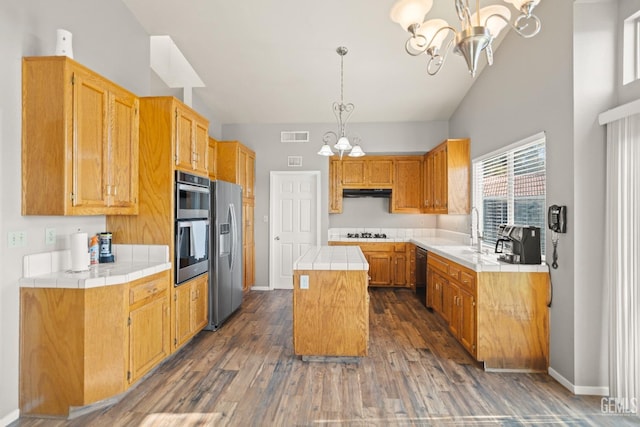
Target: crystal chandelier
x,y
478,30
342,112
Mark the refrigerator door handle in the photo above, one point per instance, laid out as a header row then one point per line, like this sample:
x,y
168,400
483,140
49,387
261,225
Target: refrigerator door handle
x,y
234,230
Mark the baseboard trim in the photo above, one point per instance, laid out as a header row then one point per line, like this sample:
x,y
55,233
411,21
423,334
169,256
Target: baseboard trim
x,y
578,390
10,417
260,288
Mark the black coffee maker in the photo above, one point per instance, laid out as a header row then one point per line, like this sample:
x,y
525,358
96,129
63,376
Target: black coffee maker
x,y
519,244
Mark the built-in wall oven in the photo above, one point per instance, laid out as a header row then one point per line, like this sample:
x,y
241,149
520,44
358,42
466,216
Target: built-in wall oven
x,y
192,200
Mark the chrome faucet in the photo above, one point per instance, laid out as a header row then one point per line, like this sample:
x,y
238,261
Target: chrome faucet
x,y
478,234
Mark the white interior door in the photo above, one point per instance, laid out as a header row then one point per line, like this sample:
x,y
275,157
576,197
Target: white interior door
x,y
295,222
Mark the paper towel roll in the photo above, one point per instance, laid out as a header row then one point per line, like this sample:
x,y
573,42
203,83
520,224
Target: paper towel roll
x,y
79,252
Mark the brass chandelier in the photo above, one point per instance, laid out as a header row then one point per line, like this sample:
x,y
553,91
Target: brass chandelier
x,y
478,30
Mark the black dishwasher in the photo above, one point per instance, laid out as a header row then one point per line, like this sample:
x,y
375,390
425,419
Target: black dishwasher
x,y
421,274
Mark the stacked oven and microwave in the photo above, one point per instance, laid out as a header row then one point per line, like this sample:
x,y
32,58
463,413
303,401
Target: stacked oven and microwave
x,y
208,238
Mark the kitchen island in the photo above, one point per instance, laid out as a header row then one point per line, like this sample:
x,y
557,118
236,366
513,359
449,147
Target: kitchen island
x,y
330,303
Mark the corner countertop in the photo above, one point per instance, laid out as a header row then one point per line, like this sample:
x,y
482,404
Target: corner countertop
x,y
467,256
52,269
332,258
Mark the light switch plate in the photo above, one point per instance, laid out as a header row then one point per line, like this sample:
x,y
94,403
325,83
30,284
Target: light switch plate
x,y
304,281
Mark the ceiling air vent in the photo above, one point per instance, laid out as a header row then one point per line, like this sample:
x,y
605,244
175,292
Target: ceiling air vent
x,y
294,136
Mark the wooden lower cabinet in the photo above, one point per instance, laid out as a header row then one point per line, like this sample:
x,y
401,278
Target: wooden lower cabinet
x,y
148,322
82,346
389,263
190,309
501,319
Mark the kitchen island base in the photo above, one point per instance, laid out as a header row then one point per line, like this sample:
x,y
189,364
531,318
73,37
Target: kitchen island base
x,y
331,316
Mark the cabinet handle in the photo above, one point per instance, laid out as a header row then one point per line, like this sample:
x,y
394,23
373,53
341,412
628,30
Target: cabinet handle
x,y
115,190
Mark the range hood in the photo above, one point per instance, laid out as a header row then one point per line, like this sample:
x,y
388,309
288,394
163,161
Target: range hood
x,y
366,192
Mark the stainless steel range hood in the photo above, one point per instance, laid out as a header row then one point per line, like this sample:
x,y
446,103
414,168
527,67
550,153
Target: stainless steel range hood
x,y
366,192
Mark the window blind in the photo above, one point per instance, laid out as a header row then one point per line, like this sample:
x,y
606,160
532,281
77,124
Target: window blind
x,y
510,188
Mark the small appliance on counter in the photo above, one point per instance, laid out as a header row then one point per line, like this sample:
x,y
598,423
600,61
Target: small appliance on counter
x,y
105,247
518,244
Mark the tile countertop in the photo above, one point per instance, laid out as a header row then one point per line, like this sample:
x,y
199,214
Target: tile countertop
x,y
332,258
447,244
467,256
52,269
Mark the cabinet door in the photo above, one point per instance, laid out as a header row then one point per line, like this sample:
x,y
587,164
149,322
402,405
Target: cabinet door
x,y
243,161
185,129
379,173
250,167
448,291
437,284
399,269
199,303
353,173
379,268
467,331
407,193
440,189
122,187
212,158
148,337
428,183
199,156
182,320
248,245
90,130
335,187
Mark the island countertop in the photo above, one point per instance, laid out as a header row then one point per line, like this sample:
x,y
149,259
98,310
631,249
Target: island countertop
x,y
332,258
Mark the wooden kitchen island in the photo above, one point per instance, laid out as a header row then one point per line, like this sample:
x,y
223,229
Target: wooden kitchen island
x,y
330,303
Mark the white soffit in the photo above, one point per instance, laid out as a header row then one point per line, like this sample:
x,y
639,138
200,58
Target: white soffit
x,y
171,65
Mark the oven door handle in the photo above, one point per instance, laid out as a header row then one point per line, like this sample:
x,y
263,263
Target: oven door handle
x,y
195,188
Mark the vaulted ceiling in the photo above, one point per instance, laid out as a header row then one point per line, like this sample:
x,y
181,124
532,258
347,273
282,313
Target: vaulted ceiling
x,y
275,61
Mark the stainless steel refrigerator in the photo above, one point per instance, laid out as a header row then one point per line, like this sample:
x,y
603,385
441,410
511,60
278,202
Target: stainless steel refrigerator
x,y
225,255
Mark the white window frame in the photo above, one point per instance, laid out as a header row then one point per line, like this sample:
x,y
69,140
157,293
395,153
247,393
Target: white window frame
x,y
478,201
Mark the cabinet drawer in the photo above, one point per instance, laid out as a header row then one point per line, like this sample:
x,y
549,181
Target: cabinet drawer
x,y
146,288
438,263
468,280
454,271
399,247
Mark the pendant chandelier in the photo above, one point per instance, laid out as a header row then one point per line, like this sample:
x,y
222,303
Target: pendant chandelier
x,y
478,30
342,112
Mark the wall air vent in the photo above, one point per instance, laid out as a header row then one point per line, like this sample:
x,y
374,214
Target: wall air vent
x,y
294,136
294,161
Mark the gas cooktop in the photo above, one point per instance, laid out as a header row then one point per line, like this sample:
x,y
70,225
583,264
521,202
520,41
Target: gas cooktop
x,y
366,235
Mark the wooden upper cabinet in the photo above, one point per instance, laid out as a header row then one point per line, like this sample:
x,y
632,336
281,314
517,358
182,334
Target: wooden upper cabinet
x,y
79,141
192,141
236,163
380,172
369,172
212,158
447,188
407,193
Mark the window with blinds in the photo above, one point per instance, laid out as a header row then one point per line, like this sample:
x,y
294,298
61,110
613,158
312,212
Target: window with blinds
x,y
510,188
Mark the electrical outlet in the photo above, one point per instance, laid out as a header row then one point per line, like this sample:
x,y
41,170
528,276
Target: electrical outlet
x,y
304,281
49,236
265,218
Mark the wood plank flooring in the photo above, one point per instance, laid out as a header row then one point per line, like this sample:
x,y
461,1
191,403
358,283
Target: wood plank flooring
x,y
416,374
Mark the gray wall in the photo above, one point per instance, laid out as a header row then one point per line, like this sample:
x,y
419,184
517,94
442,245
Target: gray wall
x,y
271,155
107,39
559,89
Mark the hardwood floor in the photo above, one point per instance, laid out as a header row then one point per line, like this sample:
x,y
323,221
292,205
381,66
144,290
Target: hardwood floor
x,y
415,374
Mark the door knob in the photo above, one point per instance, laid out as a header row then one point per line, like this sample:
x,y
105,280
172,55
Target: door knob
x,y
277,238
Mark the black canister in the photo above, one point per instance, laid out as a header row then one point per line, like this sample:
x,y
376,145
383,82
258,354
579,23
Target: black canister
x,y
105,247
